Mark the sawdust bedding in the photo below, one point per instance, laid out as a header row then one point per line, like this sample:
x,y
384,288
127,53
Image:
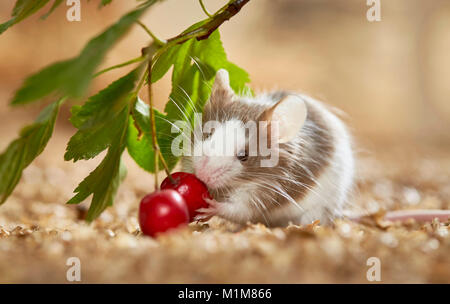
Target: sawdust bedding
x,y
38,233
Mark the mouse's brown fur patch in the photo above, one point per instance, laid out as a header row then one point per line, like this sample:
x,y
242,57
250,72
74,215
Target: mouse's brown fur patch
x,y
301,162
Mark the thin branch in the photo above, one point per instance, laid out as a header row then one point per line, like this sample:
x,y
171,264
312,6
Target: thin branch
x,y
141,83
208,28
222,8
205,30
155,144
205,10
157,40
131,61
152,124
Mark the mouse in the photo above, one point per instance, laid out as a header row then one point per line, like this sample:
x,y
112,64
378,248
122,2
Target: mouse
x,y
313,172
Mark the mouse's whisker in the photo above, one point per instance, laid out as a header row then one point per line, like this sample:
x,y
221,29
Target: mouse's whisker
x,y
187,119
258,208
191,103
278,190
195,60
181,131
188,99
179,108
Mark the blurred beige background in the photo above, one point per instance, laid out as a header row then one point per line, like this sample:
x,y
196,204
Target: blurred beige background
x,y
390,77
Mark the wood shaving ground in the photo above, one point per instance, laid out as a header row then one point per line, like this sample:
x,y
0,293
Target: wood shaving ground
x,y
38,233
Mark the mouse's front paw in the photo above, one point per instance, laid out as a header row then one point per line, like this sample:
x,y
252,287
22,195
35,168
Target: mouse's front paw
x,y
207,213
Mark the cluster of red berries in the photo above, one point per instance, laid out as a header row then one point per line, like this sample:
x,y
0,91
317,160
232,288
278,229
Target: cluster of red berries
x,y
174,205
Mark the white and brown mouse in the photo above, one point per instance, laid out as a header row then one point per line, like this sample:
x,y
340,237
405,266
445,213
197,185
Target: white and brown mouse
x,y
315,169
314,174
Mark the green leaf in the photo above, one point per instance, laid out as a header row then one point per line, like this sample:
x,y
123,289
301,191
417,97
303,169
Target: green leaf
x,y
104,181
72,77
22,151
139,142
102,123
96,120
105,2
164,62
211,52
22,10
55,5
195,64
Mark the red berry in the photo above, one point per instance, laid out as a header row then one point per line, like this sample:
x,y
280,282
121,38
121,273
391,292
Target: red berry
x,y
162,210
193,190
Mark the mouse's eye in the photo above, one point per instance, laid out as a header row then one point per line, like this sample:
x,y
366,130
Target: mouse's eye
x,y
242,155
206,134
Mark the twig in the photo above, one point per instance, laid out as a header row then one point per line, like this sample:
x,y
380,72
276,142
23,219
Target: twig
x,y
156,148
208,28
205,30
141,83
205,10
222,8
134,60
156,40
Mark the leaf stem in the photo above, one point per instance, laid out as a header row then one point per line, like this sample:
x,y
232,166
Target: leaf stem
x,y
157,40
205,10
156,148
131,61
141,83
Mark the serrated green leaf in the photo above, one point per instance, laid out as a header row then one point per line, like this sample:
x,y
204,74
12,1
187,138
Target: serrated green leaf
x,y
22,10
22,151
195,64
139,146
96,119
210,52
104,181
72,77
189,94
164,62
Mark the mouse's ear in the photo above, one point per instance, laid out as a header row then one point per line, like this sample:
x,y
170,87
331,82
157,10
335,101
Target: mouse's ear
x,y
290,114
221,89
222,81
